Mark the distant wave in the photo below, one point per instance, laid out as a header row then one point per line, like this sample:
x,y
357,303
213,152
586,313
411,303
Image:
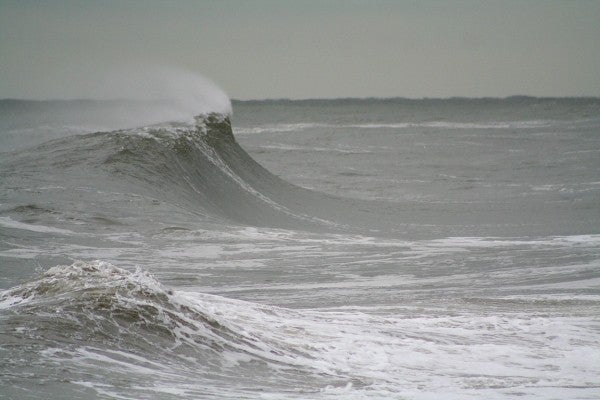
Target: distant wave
x,y
282,128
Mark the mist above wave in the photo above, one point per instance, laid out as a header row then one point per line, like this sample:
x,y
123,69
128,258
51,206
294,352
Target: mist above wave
x,y
124,98
187,93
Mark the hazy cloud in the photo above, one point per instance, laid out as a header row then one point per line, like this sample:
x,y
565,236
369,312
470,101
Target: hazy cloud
x,y
258,49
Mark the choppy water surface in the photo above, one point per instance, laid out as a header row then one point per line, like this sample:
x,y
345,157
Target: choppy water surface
x,y
416,249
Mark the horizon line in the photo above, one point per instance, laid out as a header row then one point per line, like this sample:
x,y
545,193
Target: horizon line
x,y
287,99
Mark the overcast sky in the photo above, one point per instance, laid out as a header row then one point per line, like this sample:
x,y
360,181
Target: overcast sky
x,y
305,49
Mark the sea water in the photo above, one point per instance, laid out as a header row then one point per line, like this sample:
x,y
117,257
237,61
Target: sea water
x,y
356,249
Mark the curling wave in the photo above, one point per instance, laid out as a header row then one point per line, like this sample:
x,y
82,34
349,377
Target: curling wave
x,y
198,169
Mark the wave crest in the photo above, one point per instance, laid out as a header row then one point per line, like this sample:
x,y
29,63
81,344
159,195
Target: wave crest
x,y
95,300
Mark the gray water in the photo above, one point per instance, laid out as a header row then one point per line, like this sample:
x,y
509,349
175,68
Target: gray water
x,y
376,248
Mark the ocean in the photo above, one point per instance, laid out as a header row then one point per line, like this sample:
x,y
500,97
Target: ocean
x,y
301,249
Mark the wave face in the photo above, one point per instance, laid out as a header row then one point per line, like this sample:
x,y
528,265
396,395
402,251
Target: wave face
x,y
374,248
197,168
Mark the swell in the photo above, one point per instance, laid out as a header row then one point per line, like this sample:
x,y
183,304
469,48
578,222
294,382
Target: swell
x,y
200,169
182,175
171,170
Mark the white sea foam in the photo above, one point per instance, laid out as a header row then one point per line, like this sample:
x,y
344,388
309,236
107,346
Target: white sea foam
x,y
302,126
342,150
275,128
8,222
354,352
392,354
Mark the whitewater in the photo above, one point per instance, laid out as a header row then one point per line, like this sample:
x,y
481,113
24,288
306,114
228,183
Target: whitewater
x,y
300,249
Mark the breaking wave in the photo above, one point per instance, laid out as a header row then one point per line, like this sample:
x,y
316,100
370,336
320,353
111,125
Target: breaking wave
x,y
197,167
103,324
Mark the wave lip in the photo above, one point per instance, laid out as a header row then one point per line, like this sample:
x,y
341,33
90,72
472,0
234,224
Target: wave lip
x,y
215,125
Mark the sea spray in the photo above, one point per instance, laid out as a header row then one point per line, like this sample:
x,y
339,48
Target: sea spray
x,y
184,93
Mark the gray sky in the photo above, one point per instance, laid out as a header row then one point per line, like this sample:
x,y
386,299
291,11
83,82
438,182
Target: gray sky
x,y
304,49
